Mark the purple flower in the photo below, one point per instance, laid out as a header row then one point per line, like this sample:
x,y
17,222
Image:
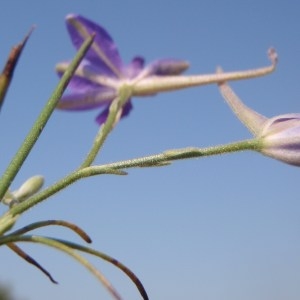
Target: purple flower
x,y
277,137
97,79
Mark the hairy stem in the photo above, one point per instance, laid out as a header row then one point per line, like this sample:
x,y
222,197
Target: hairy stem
x,y
41,121
112,119
147,161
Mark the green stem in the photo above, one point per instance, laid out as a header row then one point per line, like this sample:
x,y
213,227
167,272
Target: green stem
x,y
113,116
7,221
147,161
41,121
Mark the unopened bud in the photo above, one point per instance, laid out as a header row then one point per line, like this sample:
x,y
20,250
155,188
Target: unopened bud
x,y
280,137
28,188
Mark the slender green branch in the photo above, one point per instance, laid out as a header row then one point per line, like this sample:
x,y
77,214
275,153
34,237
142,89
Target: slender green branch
x,y
51,190
113,117
146,161
7,221
41,121
59,245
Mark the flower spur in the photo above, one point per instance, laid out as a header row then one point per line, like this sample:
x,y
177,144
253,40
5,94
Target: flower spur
x,y
99,78
277,137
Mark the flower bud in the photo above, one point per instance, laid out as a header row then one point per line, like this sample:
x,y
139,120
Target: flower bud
x,y
280,137
8,198
28,188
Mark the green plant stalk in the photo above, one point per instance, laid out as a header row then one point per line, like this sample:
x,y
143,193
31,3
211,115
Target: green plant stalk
x,y
147,161
7,221
33,135
114,110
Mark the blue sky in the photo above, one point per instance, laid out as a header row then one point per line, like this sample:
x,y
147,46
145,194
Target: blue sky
x,y
215,228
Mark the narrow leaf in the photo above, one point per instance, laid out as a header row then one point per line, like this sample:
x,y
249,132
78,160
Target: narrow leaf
x,y
30,260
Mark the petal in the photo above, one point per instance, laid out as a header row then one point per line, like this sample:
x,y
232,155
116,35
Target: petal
x,y
78,83
284,146
280,124
165,67
103,53
101,118
280,138
135,67
81,84
126,109
88,76
86,100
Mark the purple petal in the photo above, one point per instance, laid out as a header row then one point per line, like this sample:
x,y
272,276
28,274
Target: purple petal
x,y
80,84
280,124
280,138
86,77
101,118
135,67
86,100
165,67
126,109
109,62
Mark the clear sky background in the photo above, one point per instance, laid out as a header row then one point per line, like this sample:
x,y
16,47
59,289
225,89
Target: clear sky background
x,y
216,228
